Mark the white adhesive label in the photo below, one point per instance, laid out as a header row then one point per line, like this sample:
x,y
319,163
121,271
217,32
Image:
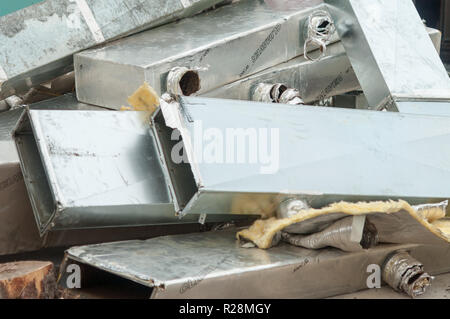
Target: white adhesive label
x,y
202,219
357,228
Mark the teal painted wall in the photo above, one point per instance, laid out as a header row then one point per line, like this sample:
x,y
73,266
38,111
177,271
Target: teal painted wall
x,y
8,6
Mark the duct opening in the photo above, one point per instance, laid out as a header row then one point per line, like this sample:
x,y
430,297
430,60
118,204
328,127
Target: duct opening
x,y
323,26
181,175
277,91
414,278
183,81
369,236
320,29
99,283
189,83
405,274
34,174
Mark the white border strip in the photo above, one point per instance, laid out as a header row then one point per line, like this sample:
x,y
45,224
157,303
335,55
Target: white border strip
x,y
90,20
186,3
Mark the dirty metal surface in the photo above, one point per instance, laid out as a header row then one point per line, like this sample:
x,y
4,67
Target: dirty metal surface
x,y
234,41
118,178
93,169
331,76
383,39
305,160
38,41
440,289
195,265
18,229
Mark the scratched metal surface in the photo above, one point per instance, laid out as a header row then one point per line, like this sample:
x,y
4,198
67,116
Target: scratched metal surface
x,y
224,45
94,169
333,75
321,155
383,40
213,265
169,260
112,142
8,119
38,41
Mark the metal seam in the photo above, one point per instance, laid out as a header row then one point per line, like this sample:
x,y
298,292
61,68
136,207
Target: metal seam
x,y
90,20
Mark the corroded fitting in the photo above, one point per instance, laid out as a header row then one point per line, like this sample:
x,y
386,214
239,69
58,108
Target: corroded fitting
x,y
320,29
276,93
183,81
405,274
291,96
268,93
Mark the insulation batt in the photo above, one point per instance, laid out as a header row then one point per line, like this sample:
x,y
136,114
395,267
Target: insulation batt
x,y
395,221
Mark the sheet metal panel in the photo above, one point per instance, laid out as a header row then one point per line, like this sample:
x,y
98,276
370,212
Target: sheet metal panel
x,y
390,52
321,155
213,265
332,75
94,169
38,41
18,231
223,45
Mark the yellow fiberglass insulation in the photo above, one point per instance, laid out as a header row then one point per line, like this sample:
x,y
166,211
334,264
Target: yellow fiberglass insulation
x,y
144,99
396,222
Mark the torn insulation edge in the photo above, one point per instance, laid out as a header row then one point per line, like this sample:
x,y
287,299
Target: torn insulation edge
x,y
144,98
262,232
432,212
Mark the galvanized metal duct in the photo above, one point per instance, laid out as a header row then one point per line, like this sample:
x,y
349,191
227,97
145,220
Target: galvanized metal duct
x,y
213,258
342,152
77,178
252,37
332,75
58,29
383,39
